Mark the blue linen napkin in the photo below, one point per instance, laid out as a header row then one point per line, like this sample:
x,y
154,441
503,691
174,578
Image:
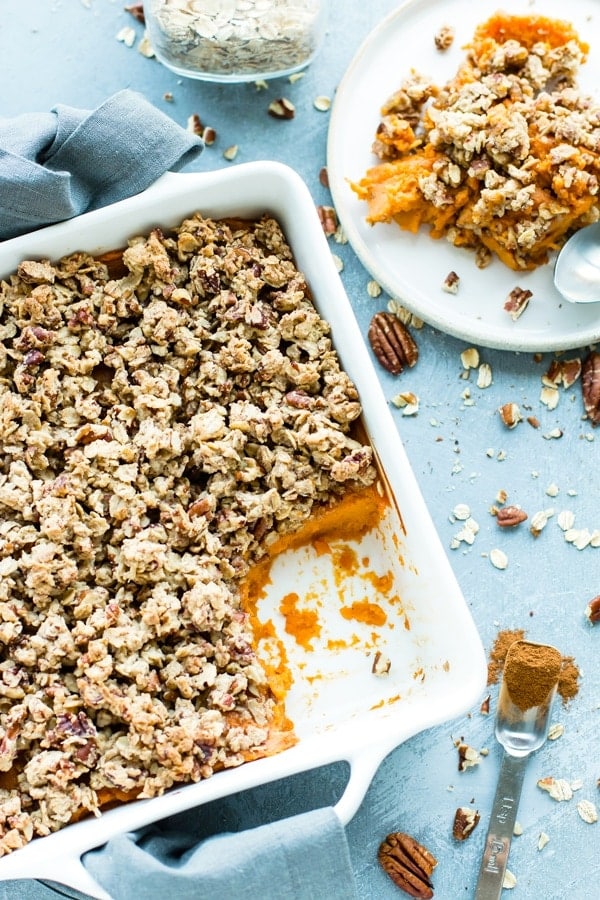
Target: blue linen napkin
x,y
56,165
303,857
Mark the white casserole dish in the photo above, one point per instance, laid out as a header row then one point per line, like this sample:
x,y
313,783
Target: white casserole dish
x,y
341,711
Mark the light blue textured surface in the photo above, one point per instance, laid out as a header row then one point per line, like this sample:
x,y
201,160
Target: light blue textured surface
x,y
67,51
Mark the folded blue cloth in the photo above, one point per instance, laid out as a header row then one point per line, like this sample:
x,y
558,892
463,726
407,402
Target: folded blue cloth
x,y
56,165
304,857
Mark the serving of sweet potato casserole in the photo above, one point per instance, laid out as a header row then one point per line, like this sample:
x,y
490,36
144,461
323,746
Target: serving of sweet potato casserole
x,y
504,158
166,416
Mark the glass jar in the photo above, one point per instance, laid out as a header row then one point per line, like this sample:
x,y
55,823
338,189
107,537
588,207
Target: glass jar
x,y
235,40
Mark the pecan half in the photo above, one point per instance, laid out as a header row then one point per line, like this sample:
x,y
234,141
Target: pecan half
x,y
408,864
590,386
392,343
509,516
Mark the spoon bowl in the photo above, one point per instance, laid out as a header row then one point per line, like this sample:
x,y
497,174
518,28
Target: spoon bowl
x,y
577,267
521,728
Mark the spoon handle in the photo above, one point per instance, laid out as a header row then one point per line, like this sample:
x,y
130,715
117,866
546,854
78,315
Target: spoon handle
x,y
500,829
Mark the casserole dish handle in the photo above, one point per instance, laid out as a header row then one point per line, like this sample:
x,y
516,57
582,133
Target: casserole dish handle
x,y
65,866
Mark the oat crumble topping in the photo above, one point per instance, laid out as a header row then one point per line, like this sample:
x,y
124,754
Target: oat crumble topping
x,y
504,158
160,427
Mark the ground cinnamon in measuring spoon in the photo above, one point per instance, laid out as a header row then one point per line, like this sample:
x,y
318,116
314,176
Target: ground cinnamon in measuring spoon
x,y
530,673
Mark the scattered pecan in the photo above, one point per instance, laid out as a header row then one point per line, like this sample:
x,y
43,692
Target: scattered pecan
x,y
392,343
324,176
467,756
510,414
590,386
465,822
137,11
408,864
282,108
509,516
517,302
328,219
592,610
451,283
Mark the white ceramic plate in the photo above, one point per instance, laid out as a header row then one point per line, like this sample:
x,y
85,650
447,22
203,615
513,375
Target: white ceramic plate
x,y
412,268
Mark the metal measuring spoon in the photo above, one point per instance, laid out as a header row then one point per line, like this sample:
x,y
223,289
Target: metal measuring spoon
x,y
520,731
577,267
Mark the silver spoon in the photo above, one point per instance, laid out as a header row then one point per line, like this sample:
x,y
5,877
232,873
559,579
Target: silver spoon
x,y
520,731
577,267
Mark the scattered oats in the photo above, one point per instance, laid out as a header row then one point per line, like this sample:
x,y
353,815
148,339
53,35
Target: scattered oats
x,y
558,788
168,96
484,751
322,103
145,47
542,840
484,376
296,76
401,312
340,236
454,544
457,467
577,784
509,881
230,153
490,452
127,36
498,558
373,288
539,520
501,455
407,402
535,474
468,401
468,532
555,433
416,321
518,829
261,85
595,538
466,394
565,519
461,512
435,423
502,496
556,731
587,811
552,490
339,264
549,396
470,358
589,436
582,538
571,493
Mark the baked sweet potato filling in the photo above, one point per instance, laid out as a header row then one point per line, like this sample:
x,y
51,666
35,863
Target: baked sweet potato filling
x,y
504,158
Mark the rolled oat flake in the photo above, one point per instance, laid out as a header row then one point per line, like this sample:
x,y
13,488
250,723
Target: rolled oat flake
x,y
235,40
